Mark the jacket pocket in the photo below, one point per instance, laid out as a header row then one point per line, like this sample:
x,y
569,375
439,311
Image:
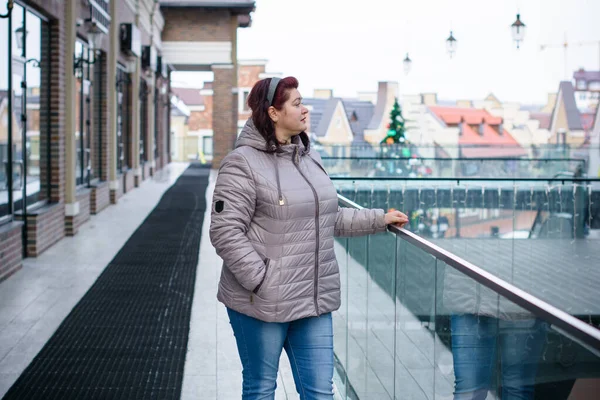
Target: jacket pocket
x,y
258,288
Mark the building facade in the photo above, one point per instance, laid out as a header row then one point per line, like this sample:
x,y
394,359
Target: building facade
x,y
84,107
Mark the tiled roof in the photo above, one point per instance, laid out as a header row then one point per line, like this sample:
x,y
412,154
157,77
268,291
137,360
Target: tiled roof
x,y
587,75
316,115
363,113
208,3
190,97
500,145
567,94
544,119
323,110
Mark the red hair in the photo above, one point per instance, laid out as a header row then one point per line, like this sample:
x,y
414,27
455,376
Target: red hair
x,y
258,103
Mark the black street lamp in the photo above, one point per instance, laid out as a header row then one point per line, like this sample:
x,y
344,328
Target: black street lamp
x,y
407,64
9,7
20,36
518,30
451,45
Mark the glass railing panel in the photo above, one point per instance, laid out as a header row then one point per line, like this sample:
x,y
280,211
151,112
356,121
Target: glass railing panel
x,y
415,300
381,313
358,369
486,345
340,320
538,235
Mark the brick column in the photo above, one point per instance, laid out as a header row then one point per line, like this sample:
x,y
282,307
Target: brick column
x,y
224,112
57,109
100,136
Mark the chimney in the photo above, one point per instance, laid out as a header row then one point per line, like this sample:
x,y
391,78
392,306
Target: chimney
x,y
429,99
323,93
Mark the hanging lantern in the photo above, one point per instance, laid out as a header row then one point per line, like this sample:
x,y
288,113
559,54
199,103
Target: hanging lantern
x,y
451,45
407,64
518,30
20,36
95,36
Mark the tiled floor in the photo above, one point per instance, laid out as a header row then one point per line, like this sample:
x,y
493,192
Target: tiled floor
x,y
35,300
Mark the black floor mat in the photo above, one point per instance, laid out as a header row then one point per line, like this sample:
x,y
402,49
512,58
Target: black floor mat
x,y
127,337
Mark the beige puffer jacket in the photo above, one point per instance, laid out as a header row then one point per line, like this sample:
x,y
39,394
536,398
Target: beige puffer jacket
x,y
274,217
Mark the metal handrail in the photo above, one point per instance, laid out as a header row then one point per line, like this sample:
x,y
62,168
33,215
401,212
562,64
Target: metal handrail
x,y
466,179
481,159
583,333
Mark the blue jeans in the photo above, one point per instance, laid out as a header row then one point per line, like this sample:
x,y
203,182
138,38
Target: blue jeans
x,y
476,343
308,343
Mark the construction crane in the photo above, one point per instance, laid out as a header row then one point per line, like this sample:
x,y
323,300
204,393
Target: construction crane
x,y
566,44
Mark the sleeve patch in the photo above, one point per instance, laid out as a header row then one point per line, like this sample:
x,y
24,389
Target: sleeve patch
x,y
219,205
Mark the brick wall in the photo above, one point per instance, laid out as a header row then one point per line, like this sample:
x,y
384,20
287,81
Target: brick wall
x,y
249,74
99,197
45,226
196,25
72,223
100,120
202,119
11,249
58,62
115,195
128,181
224,113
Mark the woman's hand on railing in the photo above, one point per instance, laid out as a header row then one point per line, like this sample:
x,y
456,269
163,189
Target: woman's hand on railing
x,y
396,218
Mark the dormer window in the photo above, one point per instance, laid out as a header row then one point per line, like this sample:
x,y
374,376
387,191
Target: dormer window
x,y
481,129
581,84
594,86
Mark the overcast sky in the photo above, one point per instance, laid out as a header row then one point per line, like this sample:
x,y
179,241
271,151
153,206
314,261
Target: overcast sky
x,y
350,45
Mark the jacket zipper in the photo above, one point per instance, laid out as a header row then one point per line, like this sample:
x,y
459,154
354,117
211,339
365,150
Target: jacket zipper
x,y
316,280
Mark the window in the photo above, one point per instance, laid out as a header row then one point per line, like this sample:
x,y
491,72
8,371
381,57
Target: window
x,y
594,86
243,100
83,115
207,145
24,127
123,119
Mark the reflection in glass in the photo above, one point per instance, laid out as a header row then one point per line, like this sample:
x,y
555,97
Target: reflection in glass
x,y
83,116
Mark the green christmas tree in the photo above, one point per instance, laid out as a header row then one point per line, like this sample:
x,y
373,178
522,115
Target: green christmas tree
x,y
396,131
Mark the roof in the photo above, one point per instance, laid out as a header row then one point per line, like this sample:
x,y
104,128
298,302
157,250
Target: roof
x,y
190,97
544,119
208,3
359,113
474,144
318,122
566,94
586,75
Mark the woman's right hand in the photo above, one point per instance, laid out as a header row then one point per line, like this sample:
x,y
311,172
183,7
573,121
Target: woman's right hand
x,y
396,218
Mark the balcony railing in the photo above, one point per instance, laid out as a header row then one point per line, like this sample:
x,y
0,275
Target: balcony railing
x,y
419,322
454,167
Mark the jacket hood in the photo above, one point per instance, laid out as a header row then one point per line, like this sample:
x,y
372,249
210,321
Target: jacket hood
x,y
251,137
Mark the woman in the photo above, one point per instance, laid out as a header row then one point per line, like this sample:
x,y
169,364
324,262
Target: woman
x,y
274,216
